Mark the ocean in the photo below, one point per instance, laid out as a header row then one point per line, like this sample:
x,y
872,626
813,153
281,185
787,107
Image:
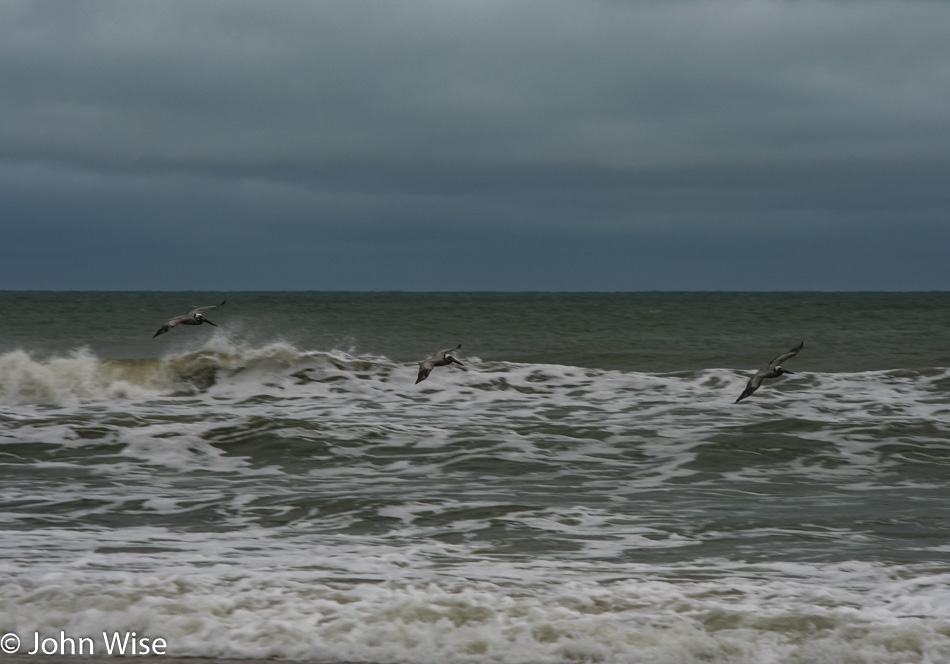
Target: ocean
x,y
582,489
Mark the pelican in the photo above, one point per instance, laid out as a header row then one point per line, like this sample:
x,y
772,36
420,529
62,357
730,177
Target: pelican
x,y
774,370
193,317
440,359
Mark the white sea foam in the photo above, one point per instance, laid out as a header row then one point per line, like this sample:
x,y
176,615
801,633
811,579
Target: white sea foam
x,y
277,367
532,413
79,375
276,502
716,611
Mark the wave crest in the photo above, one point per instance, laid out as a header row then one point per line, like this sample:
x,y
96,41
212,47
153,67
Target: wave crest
x,y
83,376
78,375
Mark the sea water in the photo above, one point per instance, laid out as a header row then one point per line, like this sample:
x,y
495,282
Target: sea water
x,y
583,488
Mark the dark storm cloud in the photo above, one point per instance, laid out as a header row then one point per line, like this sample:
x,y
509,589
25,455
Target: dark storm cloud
x,y
379,138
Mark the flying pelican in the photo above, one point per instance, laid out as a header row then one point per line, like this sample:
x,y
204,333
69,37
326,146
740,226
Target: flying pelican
x,y
774,370
193,317
440,359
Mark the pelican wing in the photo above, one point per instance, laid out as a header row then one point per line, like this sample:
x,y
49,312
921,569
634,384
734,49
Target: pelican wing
x,y
751,386
170,324
784,356
205,308
447,354
425,368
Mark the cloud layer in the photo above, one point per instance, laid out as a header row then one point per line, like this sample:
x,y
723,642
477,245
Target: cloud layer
x,y
494,145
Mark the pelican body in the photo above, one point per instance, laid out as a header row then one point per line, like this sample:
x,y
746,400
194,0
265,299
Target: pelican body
x,y
774,370
193,317
440,359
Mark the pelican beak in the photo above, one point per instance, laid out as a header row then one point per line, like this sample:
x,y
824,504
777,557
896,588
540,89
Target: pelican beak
x,y
790,372
213,325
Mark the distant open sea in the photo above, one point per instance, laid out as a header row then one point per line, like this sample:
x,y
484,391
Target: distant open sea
x,y
583,489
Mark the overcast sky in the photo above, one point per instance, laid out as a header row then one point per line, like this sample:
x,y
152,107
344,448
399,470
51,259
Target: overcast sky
x,y
477,145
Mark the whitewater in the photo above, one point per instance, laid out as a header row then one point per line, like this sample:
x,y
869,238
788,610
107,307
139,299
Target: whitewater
x,y
293,494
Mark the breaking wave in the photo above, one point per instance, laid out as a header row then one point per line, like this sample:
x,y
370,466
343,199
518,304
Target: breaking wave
x,y
268,501
83,376
279,369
